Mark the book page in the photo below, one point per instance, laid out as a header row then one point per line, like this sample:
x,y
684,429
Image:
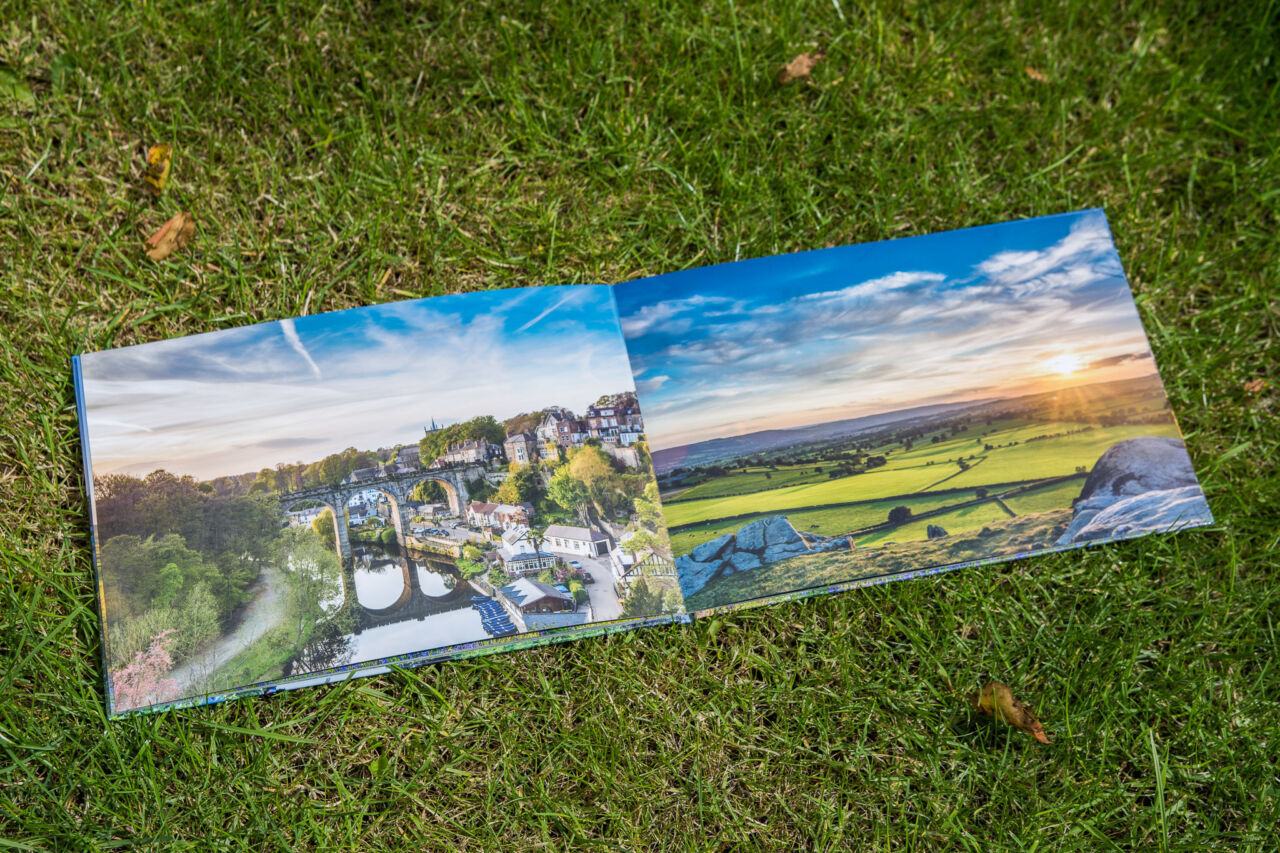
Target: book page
x,y
845,416
291,502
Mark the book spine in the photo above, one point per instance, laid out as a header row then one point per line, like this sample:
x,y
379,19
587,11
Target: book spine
x,y
87,463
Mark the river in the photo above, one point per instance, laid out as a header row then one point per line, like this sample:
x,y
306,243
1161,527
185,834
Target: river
x,y
392,618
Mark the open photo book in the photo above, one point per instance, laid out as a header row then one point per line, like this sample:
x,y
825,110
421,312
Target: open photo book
x,y
296,502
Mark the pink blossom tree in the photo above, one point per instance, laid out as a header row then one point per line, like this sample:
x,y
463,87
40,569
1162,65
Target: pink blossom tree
x,y
144,681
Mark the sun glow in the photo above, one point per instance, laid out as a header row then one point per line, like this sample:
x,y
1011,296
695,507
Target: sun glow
x,y
1065,364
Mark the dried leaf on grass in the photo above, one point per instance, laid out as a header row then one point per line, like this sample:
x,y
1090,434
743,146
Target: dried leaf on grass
x,y
159,161
1036,74
1255,385
801,66
173,235
997,700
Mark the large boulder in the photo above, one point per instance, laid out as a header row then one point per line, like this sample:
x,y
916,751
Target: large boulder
x,y
778,531
694,575
1139,465
764,541
1150,512
782,551
1146,466
750,537
709,551
935,531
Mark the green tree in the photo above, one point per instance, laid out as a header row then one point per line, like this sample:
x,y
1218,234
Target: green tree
x,y
523,485
899,514
169,583
312,575
642,601
568,492
651,530
323,527
428,492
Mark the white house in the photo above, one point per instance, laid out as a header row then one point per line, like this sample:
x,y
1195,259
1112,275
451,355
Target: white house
x,y
520,558
579,541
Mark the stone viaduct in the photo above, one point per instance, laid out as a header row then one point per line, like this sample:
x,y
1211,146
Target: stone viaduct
x,y
397,488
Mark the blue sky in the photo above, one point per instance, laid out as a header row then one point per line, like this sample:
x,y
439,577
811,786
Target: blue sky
x,y
238,400
818,336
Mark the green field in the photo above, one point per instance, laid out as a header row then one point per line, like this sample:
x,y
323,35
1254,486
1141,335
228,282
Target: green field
x,y
960,520
907,473
754,479
1042,500
1005,536
825,522
1054,457
877,483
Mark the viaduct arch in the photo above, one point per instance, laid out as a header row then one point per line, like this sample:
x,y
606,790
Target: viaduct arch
x,y
397,488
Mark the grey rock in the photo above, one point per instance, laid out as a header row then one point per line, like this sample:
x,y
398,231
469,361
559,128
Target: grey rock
x,y
778,531
708,551
1150,512
935,531
694,575
774,553
1137,466
750,537
842,544
744,561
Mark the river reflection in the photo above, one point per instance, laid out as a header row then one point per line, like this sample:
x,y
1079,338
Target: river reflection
x,y
391,619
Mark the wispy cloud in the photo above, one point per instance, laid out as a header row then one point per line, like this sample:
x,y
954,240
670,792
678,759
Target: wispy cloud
x,y
291,335
247,398
973,310
572,294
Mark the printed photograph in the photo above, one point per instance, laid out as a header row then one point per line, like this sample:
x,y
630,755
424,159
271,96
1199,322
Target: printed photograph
x,y
286,498
830,416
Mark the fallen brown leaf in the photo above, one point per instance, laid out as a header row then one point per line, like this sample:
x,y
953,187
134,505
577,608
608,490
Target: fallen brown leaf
x,y
1253,386
159,161
997,700
1036,74
173,235
801,66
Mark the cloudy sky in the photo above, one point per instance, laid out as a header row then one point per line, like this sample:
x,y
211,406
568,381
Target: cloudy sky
x,y
239,400
819,336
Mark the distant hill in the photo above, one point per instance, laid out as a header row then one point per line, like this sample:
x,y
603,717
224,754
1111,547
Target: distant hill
x,y
1089,401
722,449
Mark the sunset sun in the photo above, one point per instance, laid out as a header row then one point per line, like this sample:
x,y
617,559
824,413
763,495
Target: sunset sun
x,y
1065,364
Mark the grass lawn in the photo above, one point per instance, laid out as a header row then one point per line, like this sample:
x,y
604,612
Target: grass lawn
x,y
341,154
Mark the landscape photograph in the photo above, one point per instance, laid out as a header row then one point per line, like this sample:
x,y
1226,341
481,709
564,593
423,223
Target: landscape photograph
x,y
278,502
846,414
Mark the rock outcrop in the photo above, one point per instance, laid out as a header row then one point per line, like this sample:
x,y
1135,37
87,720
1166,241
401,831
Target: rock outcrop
x,y
754,545
1138,486
935,531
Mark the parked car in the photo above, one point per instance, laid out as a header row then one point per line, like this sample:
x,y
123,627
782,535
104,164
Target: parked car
x,y
587,578
576,564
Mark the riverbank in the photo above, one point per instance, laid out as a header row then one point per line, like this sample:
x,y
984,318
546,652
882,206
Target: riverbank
x,y
203,671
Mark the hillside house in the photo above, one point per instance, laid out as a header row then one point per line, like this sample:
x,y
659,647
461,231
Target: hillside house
x,y
480,513
521,448
578,541
532,596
